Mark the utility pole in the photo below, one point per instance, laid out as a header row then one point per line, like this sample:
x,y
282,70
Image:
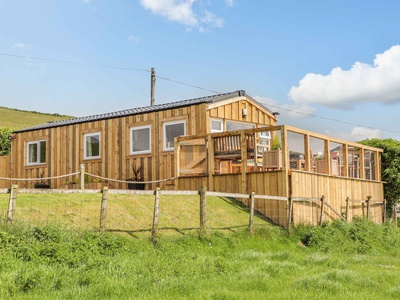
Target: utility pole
x,y
153,85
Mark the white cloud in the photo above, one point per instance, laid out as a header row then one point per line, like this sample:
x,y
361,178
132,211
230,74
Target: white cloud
x,y
86,1
133,39
361,133
362,83
22,46
183,12
293,111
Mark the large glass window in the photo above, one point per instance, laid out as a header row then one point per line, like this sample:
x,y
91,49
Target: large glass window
x,y
140,140
36,152
171,131
92,145
238,126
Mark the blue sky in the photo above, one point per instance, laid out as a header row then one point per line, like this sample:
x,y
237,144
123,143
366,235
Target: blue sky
x,y
330,67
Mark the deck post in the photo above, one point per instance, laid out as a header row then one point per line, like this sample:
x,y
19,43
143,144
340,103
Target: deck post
x,y
321,217
251,220
177,157
103,211
244,162
12,203
347,209
210,162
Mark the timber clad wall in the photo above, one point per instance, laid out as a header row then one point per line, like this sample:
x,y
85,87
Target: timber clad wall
x,y
65,144
5,170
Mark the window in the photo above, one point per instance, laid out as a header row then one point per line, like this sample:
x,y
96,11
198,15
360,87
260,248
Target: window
x,y
140,139
216,125
171,131
36,152
265,138
92,145
238,126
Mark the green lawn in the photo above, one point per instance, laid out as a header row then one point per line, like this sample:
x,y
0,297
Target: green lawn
x,y
61,260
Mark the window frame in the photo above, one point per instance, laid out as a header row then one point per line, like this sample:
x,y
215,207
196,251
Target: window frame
x,y
164,125
220,121
85,136
39,148
131,129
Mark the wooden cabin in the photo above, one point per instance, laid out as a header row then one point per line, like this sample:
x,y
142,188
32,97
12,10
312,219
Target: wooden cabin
x,y
223,142
110,145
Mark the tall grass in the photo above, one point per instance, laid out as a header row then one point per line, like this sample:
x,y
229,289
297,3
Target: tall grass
x,y
54,262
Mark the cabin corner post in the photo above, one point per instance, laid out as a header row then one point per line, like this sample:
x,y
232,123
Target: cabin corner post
x,y
210,162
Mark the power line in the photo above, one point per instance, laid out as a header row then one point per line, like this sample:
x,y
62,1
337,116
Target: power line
x,y
73,62
333,119
106,66
187,84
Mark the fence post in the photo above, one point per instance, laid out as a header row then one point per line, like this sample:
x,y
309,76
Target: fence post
x,y
12,203
347,209
203,210
82,181
394,212
368,206
103,212
251,221
154,233
384,211
290,204
321,217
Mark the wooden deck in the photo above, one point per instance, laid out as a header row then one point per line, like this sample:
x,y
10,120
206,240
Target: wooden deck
x,y
338,170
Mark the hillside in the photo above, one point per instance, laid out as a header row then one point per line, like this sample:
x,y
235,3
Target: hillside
x,y
18,119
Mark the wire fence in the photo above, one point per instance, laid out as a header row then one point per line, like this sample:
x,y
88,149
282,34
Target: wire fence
x,y
169,212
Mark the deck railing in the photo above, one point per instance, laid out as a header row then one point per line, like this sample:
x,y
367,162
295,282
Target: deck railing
x,y
240,151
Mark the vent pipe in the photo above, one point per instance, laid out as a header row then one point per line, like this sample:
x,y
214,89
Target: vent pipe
x,y
153,85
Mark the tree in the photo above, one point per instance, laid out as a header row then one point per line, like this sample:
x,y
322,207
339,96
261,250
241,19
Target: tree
x,y
390,167
5,142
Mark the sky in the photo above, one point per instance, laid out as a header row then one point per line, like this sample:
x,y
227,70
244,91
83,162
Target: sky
x,y
332,67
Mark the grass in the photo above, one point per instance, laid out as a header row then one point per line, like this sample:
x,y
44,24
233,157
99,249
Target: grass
x,y
359,260
18,119
129,214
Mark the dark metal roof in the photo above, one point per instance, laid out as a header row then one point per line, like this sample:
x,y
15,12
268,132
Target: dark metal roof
x,y
139,110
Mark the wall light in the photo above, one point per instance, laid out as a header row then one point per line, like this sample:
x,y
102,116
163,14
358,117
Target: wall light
x,y
244,112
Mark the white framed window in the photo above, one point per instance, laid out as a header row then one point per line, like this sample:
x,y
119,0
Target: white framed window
x,y
230,125
217,125
265,138
140,139
172,130
36,153
92,145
